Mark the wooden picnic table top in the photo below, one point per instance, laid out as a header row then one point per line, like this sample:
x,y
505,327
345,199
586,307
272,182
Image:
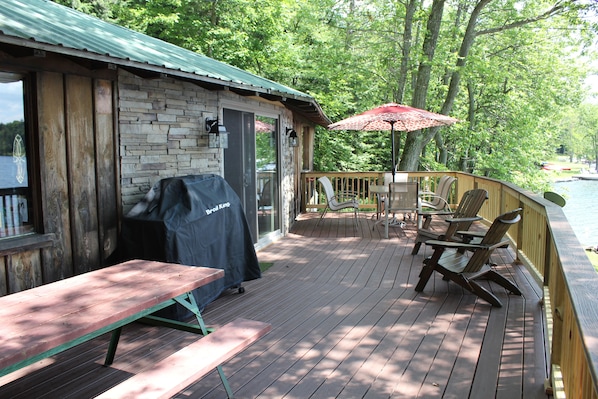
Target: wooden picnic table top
x,y
79,308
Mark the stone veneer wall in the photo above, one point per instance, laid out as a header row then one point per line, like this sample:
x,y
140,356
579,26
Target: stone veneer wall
x,y
161,124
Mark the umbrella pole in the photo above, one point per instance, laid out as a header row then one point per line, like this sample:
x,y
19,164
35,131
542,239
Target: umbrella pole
x,y
392,134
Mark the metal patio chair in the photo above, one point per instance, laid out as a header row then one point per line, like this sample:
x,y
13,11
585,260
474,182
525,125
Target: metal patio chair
x,y
403,197
338,201
438,199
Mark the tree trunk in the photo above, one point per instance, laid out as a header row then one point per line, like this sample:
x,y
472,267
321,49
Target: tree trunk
x,y
411,152
406,52
442,151
472,122
416,141
429,48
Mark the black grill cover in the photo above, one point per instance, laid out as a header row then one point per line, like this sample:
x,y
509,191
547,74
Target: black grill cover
x,y
196,221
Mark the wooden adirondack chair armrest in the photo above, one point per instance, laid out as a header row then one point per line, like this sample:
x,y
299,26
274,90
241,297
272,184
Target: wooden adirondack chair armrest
x,y
463,245
462,220
471,234
453,244
428,214
502,244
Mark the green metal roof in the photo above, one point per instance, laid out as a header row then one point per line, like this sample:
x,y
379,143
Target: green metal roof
x,y
45,25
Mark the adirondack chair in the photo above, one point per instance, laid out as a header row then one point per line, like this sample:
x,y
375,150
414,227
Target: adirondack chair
x,y
464,267
438,199
336,202
459,220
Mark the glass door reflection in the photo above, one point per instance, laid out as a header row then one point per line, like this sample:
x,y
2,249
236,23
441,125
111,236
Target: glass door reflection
x,y
266,149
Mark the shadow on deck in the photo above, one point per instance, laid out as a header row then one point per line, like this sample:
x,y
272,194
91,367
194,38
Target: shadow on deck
x,y
347,323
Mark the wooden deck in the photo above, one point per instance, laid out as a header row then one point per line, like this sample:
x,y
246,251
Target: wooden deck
x,y
347,323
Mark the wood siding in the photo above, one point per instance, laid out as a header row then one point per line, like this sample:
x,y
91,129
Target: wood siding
x,y
107,167
55,206
82,178
74,131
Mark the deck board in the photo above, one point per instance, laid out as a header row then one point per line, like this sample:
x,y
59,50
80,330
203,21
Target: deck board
x,y
347,323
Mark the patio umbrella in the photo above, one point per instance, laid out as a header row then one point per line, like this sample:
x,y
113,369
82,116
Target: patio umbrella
x,y
394,117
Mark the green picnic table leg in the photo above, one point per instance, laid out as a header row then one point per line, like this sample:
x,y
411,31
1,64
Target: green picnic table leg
x,y
112,346
191,304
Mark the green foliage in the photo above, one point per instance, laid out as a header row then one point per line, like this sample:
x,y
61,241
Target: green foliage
x,y
266,143
333,153
518,81
99,8
577,130
8,131
593,256
520,74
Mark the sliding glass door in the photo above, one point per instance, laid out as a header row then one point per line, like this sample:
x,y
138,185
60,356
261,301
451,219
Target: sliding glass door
x,y
266,149
251,168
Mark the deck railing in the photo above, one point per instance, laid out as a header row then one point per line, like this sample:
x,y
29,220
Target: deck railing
x,y
546,245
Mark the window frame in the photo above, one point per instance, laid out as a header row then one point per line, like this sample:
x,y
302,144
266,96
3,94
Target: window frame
x,y
31,191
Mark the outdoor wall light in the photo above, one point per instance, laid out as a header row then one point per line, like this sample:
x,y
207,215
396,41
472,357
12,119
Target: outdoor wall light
x,y
293,142
217,134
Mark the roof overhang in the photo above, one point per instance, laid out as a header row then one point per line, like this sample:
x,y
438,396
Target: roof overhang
x,y
303,105
33,28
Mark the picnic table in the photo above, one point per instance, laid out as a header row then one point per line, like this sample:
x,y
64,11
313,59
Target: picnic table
x,y
46,320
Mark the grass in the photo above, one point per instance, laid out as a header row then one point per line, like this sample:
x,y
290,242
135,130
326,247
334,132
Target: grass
x,y
593,256
265,266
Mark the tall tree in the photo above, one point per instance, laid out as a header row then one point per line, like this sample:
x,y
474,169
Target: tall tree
x,y
514,20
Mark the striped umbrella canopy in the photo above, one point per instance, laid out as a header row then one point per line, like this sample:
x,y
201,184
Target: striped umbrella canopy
x,y
393,117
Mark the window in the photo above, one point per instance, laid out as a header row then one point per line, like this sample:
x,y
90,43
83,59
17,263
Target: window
x,y
15,189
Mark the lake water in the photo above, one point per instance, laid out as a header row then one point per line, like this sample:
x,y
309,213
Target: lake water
x,y
580,208
8,171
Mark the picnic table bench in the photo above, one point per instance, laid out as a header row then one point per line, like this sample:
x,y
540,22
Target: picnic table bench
x,y
46,320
